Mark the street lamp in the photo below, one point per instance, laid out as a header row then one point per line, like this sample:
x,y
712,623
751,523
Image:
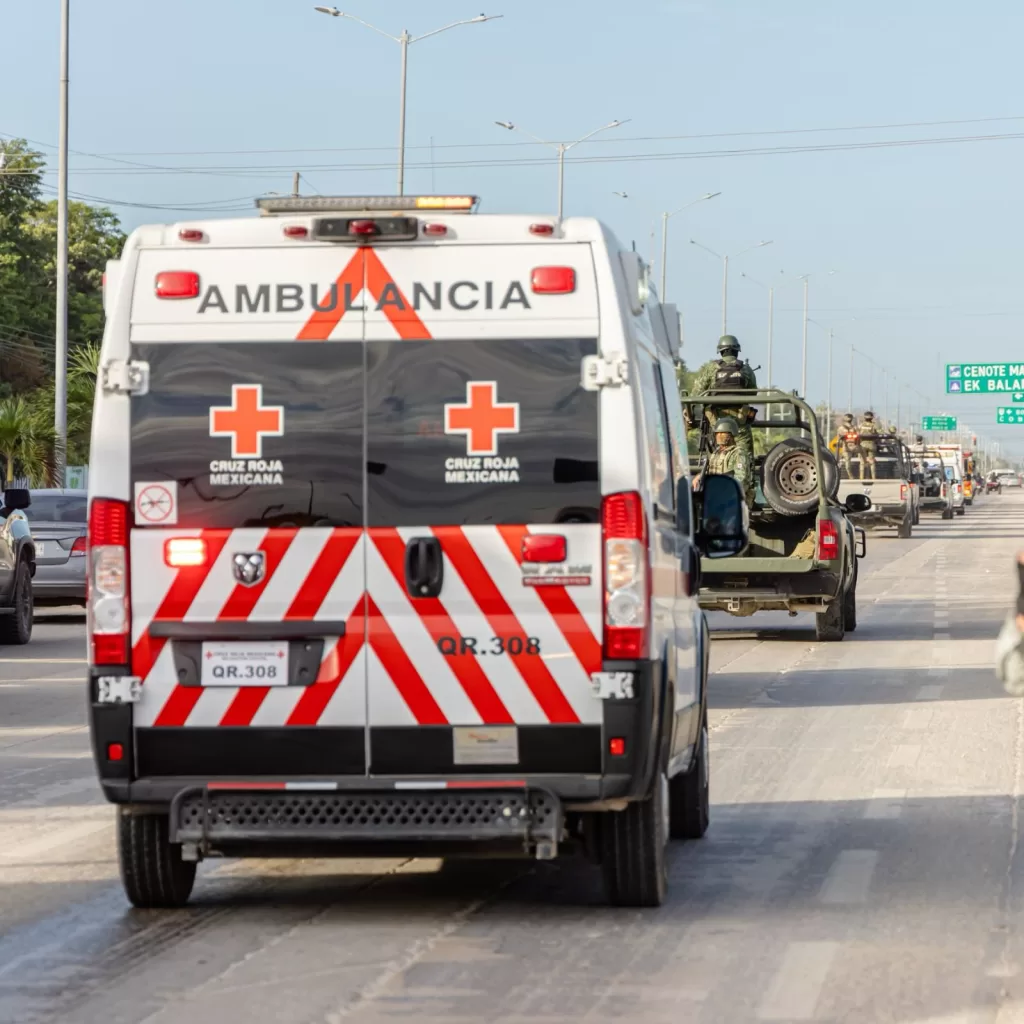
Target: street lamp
x,y
771,319
60,384
725,273
803,362
562,148
665,218
404,40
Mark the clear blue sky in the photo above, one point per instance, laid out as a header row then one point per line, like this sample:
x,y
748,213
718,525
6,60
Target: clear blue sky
x,y
925,239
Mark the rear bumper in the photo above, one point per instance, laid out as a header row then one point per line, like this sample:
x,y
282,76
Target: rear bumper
x,y
60,582
882,515
807,591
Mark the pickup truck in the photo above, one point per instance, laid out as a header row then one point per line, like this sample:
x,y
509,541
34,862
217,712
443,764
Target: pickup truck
x,y
803,550
936,492
894,493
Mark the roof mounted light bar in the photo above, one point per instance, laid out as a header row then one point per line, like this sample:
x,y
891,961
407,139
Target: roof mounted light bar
x,y
292,205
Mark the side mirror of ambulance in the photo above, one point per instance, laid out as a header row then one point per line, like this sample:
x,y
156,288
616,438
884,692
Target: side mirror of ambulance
x,y
723,527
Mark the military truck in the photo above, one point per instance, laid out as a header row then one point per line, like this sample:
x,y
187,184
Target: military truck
x,y
893,493
803,549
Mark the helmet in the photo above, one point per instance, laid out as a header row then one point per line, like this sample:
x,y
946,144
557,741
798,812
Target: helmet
x,y
869,415
848,418
728,343
727,425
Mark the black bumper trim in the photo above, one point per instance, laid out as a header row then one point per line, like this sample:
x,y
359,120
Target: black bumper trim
x,y
296,629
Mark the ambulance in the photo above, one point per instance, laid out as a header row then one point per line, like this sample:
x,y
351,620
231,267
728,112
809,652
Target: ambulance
x,y
393,547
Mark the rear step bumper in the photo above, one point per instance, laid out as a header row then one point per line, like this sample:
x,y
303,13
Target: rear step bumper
x,y
209,818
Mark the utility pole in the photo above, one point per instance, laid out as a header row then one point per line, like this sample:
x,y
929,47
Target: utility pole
x,y
60,390
828,390
771,330
852,350
296,178
725,295
803,363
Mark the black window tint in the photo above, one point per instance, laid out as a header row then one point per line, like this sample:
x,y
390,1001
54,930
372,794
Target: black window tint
x,y
58,508
319,387
656,429
543,469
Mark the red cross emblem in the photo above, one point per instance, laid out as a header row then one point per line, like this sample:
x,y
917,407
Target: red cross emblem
x,y
247,421
482,418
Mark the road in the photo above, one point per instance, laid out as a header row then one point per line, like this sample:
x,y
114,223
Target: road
x,y
862,863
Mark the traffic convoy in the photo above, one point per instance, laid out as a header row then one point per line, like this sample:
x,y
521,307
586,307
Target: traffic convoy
x,y
401,537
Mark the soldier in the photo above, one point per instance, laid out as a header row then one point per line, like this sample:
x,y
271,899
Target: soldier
x,y
868,435
724,375
849,445
729,459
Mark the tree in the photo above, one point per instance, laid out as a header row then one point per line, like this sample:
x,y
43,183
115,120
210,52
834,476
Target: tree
x,y
26,442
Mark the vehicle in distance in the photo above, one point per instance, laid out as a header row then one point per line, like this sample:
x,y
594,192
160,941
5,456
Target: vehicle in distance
x,y
892,492
936,492
17,567
803,549
58,521
1009,479
427,586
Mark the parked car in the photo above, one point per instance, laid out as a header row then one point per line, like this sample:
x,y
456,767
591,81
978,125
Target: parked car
x,y
58,521
17,567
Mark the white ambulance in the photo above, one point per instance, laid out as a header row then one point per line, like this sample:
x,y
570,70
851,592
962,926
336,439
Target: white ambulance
x,y
392,545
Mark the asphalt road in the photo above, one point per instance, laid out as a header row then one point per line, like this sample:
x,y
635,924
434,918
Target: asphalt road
x,y
862,864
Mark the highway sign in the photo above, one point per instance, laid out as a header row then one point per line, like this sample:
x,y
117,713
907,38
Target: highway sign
x,y
1010,414
984,378
1018,396
939,422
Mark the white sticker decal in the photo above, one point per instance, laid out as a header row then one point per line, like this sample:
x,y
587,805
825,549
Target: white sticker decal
x,y
156,503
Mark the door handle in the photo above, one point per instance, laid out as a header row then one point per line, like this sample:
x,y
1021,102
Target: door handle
x,y
424,567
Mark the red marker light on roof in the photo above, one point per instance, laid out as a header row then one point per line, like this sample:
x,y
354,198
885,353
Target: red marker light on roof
x,y
553,280
296,231
177,284
542,229
363,227
191,235
436,230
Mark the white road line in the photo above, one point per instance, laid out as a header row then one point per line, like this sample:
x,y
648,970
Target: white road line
x,y
904,756
885,805
941,636
939,670
796,987
850,877
933,691
44,661
918,718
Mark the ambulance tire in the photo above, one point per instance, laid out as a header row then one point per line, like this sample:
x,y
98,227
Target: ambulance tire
x,y
16,628
633,850
689,794
152,871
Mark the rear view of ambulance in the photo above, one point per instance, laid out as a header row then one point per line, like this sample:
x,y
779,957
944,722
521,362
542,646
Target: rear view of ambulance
x,y
392,547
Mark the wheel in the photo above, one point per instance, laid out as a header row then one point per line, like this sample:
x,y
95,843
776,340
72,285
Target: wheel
x,y
789,477
947,513
961,511
689,794
17,628
906,528
968,501
633,844
830,624
152,871
917,516
850,605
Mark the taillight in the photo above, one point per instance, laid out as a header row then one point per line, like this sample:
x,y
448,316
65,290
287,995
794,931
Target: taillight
x,y
903,492
627,591
177,284
109,623
828,541
78,548
183,552
553,280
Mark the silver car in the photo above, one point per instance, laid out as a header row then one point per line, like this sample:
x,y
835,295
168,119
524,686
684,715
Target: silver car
x,y
58,520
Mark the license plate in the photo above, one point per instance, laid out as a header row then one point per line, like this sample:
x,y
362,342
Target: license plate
x,y
257,663
41,549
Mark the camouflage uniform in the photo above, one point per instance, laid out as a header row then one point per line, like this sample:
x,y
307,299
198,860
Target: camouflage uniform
x,y
868,431
704,384
848,447
731,460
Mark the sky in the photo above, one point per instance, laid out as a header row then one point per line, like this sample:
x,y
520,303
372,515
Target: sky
x,y
913,249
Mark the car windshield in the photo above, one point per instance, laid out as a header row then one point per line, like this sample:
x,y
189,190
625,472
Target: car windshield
x,y
58,508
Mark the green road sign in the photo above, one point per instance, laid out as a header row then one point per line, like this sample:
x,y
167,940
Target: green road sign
x,y
984,378
1010,414
1018,396
939,422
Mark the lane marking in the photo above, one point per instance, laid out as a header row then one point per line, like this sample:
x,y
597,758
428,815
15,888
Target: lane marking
x,y
939,670
885,805
44,661
850,877
932,691
904,756
918,718
796,987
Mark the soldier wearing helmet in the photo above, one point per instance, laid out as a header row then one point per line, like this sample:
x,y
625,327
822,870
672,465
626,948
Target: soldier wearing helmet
x,y
849,445
868,430
729,459
727,374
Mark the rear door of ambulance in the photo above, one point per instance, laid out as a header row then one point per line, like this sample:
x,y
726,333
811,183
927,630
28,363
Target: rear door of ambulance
x,y
483,508
247,552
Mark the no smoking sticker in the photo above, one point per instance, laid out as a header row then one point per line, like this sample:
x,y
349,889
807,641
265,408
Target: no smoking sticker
x,y
156,503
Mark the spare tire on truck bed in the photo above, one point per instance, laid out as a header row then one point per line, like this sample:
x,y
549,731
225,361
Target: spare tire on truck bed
x,y
789,477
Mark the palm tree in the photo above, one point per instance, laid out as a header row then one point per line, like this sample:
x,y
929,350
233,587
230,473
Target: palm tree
x,y
26,442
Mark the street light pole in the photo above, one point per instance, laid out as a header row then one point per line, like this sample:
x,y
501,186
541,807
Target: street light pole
x,y
725,271
852,350
803,361
828,400
60,390
725,295
665,218
562,148
404,41
771,330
